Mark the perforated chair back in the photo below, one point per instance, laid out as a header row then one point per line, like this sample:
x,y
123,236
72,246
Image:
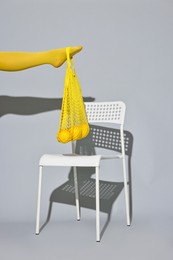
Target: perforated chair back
x,y
113,112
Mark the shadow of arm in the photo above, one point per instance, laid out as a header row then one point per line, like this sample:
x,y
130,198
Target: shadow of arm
x,y
30,105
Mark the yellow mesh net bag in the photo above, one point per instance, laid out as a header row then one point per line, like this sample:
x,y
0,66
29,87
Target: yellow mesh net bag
x,y
73,120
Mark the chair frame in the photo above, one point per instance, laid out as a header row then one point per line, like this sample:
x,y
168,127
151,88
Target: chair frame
x,y
97,112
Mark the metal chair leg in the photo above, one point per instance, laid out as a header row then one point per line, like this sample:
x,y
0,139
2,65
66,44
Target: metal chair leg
x,y
97,206
126,192
76,193
39,201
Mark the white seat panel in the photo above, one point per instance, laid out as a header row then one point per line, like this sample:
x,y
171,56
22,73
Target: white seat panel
x,y
111,156
69,160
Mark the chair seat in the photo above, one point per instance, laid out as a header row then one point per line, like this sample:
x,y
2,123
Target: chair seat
x,y
69,160
111,156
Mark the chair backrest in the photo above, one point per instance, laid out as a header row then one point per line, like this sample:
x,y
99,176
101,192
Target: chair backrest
x,y
111,112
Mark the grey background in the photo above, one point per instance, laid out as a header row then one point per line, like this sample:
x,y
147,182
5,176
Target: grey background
x,y
127,56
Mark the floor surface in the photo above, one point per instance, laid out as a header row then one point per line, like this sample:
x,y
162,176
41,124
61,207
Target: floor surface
x,y
69,239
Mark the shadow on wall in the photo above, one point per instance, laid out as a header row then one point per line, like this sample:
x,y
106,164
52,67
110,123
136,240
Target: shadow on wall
x,y
109,191
30,105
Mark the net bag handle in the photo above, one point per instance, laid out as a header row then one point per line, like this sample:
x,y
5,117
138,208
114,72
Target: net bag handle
x,y
70,61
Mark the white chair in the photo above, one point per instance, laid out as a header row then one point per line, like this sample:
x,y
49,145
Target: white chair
x,y
97,112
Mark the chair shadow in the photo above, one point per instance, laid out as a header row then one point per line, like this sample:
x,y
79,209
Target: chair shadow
x,y
30,105
109,191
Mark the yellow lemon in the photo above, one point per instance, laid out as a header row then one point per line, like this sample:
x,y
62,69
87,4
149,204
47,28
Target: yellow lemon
x,y
77,133
64,136
85,130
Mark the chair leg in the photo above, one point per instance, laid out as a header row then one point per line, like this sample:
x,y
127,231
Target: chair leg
x,y
39,201
97,206
126,192
76,193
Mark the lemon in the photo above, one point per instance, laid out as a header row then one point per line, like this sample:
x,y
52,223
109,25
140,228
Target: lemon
x,y
77,133
64,136
85,130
